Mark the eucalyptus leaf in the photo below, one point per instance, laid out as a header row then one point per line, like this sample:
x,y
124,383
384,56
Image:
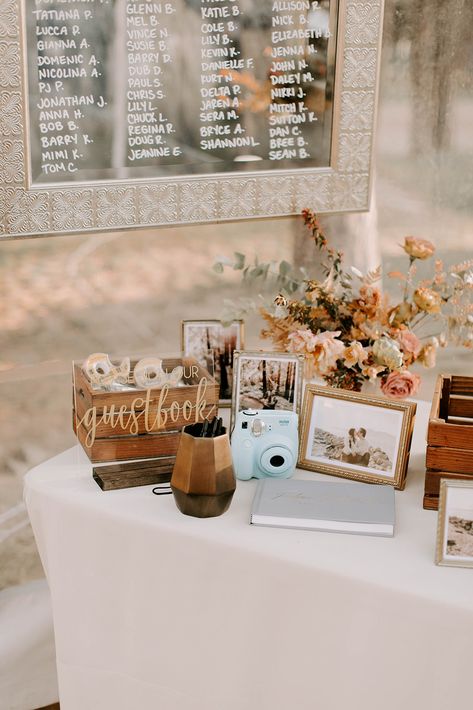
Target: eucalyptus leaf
x,y
285,268
239,263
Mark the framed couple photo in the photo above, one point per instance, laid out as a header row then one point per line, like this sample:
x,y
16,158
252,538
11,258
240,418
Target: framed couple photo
x,y
353,435
213,344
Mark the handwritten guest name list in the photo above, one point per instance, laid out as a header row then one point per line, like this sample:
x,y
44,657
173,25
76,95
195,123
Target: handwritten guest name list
x,y
221,124
70,82
98,64
150,132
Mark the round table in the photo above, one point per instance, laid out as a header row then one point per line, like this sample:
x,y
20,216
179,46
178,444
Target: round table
x,y
155,610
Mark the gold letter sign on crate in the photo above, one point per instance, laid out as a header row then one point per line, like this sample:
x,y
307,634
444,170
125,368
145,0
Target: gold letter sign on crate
x,y
123,114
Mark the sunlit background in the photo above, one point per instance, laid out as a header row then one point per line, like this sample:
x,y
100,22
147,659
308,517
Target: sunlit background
x,y
126,292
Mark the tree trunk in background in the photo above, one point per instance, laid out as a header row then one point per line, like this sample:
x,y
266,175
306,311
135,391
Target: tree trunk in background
x,y
436,43
264,384
439,35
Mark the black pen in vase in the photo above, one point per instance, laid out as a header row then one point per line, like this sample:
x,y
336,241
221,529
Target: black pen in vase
x,y
213,431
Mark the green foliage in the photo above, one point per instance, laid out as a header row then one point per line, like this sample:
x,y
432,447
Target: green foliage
x,y
294,281
280,275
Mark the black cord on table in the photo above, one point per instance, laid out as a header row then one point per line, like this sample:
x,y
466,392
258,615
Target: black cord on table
x,y
163,489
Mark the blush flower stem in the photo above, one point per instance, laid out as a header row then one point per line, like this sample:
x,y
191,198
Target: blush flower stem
x,y
418,323
408,278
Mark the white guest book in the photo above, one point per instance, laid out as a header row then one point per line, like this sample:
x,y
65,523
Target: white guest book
x,y
359,508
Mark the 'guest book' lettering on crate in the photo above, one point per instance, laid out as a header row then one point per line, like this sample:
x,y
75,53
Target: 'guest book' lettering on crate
x,y
141,423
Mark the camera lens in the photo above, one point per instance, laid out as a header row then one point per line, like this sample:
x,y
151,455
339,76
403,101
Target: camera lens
x,y
276,461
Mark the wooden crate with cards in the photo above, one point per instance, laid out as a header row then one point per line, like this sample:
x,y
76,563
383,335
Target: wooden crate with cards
x,y
449,435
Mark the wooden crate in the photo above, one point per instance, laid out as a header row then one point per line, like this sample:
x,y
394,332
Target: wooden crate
x,y
139,423
449,435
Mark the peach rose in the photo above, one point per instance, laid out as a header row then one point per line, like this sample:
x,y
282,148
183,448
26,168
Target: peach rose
x,y
372,372
401,313
418,248
400,384
428,355
427,300
354,354
327,351
323,349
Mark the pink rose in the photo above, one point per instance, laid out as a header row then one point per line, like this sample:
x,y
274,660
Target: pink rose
x,y
400,384
410,343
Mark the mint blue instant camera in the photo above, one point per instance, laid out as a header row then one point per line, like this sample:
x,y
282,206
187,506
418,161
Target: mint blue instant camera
x,y
264,443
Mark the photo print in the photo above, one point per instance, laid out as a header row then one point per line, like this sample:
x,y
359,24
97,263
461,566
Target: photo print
x,y
455,526
268,380
212,344
355,435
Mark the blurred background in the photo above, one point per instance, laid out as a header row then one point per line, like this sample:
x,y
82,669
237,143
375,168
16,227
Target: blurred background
x,y
62,298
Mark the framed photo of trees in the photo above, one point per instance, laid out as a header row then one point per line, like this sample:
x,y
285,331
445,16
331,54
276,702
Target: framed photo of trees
x,y
267,380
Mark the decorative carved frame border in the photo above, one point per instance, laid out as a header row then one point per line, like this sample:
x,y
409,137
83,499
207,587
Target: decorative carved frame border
x,y
344,187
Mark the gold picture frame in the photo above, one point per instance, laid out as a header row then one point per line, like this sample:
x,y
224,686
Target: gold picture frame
x,y
290,400
453,529
226,349
353,435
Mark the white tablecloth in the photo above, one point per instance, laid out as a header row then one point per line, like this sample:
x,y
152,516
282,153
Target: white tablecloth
x,y
155,610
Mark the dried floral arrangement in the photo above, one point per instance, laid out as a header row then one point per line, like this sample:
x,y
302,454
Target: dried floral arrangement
x,y
348,329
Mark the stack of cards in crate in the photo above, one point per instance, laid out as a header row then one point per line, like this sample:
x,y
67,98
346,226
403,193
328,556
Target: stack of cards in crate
x,y
449,436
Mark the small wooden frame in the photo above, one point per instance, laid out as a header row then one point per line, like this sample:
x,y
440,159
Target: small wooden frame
x,y
449,436
139,423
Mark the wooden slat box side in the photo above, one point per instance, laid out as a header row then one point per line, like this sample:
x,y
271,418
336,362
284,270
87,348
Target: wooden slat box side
x,y
456,436
433,478
450,422
460,406
447,458
123,448
431,502
462,385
